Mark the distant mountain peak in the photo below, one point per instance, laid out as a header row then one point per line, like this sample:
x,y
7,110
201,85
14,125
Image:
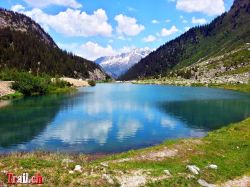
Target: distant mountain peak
x,y
117,65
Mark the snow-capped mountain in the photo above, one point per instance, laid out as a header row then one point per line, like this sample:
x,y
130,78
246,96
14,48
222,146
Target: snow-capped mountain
x,y
119,64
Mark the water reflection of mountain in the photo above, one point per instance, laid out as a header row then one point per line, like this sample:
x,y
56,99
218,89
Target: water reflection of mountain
x,y
26,118
208,114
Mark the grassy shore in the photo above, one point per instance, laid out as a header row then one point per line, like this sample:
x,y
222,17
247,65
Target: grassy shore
x,y
182,82
162,165
235,87
27,84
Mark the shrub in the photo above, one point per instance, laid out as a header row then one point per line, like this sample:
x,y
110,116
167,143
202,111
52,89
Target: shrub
x,y
31,85
91,82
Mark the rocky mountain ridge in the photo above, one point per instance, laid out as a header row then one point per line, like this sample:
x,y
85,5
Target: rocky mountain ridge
x,y
117,65
24,45
225,33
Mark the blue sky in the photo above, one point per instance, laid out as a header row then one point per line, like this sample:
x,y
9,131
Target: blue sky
x,y
95,28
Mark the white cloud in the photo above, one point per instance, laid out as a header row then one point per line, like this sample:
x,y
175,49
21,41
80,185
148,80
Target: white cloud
x,y
128,25
208,7
131,9
167,20
92,50
72,22
199,21
186,28
17,8
74,132
45,3
127,128
168,32
149,38
89,50
110,41
154,21
184,21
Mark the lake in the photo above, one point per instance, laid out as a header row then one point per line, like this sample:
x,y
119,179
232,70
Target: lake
x,y
113,118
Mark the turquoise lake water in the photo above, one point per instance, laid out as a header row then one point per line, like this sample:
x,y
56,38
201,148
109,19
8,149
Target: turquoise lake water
x,y
112,118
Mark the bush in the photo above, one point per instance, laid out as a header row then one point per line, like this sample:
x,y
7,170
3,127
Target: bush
x,y
31,85
91,82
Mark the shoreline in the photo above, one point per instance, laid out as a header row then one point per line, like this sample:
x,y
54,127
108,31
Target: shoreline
x,y
8,93
164,164
227,86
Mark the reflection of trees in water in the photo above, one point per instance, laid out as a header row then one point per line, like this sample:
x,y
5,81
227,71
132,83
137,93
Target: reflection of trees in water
x,y
27,118
208,114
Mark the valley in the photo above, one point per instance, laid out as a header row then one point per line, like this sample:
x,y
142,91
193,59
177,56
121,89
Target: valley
x,y
85,102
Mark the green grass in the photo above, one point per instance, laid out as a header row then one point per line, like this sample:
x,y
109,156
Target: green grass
x,y
235,87
228,148
240,70
29,85
15,95
172,81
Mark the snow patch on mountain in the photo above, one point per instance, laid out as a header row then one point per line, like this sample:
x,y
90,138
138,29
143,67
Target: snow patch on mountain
x,y
119,64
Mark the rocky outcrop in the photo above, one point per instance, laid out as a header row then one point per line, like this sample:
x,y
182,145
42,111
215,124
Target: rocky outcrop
x,y
75,82
232,67
97,74
19,22
5,88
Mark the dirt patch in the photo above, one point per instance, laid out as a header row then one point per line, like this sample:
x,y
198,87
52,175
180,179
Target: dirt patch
x,y
5,88
4,103
158,155
137,178
133,179
75,82
242,182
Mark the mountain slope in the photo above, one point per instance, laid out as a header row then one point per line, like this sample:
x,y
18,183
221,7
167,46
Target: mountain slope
x,y
25,45
225,33
117,65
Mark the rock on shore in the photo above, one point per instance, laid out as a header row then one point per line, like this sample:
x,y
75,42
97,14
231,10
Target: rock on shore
x,y
5,88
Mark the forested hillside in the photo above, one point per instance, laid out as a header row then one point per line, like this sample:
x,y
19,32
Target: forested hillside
x,y
227,32
25,45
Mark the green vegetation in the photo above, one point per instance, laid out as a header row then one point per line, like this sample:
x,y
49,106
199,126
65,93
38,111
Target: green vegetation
x,y
225,33
91,82
236,87
34,50
12,96
228,148
28,84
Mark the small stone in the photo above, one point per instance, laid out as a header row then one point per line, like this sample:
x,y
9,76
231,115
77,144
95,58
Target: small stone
x,y
4,171
78,168
167,172
205,184
108,178
67,161
189,176
104,164
212,166
194,169
71,172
